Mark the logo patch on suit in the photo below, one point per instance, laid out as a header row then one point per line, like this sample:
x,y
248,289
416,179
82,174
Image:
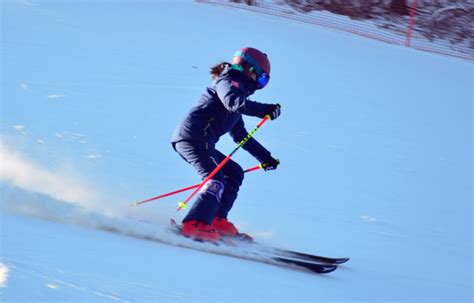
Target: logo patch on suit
x,y
213,187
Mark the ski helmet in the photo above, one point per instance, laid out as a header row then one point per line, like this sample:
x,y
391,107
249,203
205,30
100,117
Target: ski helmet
x,y
257,60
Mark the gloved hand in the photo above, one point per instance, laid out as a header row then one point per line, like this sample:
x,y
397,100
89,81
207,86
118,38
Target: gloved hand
x,y
270,164
274,111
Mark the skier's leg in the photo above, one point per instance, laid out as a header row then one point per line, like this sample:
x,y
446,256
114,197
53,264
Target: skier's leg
x,y
204,161
233,177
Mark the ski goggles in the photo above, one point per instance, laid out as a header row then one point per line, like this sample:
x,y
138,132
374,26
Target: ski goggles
x,y
262,77
262,80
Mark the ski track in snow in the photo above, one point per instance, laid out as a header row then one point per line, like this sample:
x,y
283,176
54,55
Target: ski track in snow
x,y
51,280
138,228
56,96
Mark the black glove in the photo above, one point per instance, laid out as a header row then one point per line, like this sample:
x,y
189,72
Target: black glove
x,y
270,164
274,111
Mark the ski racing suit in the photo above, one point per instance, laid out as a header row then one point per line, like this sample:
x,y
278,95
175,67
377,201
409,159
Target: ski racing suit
x,y
219,111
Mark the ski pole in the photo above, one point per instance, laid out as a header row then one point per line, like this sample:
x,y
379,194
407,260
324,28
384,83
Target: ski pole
x,y
186,188
182,205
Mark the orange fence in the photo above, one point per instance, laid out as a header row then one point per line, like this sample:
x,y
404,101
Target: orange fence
x,y
443,26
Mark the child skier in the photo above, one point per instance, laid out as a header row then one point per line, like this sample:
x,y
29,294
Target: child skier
x,y
220,111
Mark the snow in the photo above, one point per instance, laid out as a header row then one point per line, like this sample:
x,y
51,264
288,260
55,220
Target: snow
x,y
375,143
32,177
3,274
56,96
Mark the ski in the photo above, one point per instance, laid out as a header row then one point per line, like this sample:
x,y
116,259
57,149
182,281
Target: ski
x,y
311,257
295,254
245,239
314,267
275,257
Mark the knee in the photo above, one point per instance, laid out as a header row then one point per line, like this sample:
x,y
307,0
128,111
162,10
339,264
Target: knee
x,y
214,188
237,176
240,175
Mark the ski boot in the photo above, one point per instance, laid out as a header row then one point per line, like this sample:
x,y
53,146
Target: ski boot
x,y
227,229
200,231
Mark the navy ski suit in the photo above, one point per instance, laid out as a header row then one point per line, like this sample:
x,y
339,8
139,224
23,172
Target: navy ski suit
x,y
219,111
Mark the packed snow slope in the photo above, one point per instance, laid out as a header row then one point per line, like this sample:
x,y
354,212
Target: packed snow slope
x,y
375,143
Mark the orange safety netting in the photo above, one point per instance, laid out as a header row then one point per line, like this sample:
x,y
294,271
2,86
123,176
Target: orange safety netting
x,y
442,26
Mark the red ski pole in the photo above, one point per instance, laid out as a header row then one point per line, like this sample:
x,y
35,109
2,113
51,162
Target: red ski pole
x,y
185,189
182,205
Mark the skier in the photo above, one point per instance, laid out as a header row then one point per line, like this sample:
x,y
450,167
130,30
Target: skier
x,y
220,111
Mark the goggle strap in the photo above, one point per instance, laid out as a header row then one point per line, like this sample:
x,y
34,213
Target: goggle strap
x,y
250,60
238,67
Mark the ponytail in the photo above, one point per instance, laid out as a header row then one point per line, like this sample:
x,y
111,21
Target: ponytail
x,y
217,69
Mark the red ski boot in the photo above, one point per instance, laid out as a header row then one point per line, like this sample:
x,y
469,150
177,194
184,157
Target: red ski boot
x,y
224,227
200,231
227,229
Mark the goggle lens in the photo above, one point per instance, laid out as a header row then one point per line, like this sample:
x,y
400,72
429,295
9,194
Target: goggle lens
x,y
262,80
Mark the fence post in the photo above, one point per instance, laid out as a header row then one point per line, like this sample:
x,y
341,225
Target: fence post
x,y
411,24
